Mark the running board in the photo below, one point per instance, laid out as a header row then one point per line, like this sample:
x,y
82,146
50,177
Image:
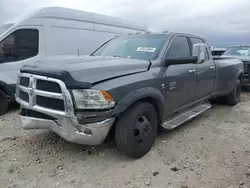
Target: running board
x,y
185,116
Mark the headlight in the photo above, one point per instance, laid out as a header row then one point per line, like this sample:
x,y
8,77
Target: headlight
x,y
92,99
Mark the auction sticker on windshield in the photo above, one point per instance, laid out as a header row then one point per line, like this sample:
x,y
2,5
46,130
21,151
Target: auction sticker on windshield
x,y
145,49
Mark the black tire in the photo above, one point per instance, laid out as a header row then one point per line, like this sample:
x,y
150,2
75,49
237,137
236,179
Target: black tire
x,y
4,102
136,130
234,97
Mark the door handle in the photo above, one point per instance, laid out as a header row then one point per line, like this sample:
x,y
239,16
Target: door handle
x,y
192,70
212,67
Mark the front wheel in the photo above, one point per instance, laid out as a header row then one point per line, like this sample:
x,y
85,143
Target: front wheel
x,y
4,102
234,97
136,130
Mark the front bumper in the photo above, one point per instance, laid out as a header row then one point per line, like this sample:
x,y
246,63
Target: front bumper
x,y
81,128
70,130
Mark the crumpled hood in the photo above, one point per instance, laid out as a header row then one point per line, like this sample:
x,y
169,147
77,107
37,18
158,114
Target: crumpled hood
x,y
90,69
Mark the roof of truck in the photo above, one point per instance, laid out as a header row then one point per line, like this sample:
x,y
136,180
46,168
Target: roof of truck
x,y
240,45
165,33
79,15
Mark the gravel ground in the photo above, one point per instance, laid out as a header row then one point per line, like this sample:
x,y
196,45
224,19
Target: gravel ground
x,y
213,151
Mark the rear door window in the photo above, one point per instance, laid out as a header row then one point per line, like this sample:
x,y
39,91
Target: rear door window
x,y
197,41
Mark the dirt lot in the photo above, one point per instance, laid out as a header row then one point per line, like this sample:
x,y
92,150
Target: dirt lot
x,y
211,151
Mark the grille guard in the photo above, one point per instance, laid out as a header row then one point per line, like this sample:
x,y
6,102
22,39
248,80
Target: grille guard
x,y
33,92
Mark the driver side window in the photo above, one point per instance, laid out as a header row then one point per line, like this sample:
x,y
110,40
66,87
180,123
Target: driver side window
x,y
179,47
19,45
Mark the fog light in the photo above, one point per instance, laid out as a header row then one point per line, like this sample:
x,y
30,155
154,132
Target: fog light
x,y
88,131
84,130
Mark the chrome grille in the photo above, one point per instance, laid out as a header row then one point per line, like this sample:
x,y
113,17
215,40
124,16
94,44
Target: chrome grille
x,y
56,104
24,96
43,94
48,86
24,81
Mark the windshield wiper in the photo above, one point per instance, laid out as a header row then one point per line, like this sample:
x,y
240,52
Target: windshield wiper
x,y
128,57
117,56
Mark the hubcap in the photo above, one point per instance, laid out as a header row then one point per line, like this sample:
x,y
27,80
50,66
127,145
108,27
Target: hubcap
x,y
142,129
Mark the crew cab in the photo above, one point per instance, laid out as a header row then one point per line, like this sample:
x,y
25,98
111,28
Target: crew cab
x,y
241,52
130,87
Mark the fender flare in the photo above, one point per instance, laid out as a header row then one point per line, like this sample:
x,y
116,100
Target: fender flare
x,y
8,89
240,73
140,94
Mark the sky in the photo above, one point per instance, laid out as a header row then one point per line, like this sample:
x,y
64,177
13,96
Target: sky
x,y
221,22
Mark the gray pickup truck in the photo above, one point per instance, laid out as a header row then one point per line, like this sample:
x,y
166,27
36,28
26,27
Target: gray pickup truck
x,y
129,88
241,52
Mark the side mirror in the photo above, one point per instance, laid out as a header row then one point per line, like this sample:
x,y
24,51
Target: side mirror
x,y
200,50
181,60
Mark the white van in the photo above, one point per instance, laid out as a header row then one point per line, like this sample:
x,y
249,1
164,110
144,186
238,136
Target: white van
x,y
52,32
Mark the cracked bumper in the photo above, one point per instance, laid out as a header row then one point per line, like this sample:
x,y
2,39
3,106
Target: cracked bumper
x,y
90,129
67,128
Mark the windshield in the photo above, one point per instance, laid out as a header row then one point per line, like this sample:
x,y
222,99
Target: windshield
x,y
145,47
238,51
4,27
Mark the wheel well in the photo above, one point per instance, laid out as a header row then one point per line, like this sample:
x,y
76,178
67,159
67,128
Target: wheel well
x,y
152,101
240,77
8,90
4,90
156,106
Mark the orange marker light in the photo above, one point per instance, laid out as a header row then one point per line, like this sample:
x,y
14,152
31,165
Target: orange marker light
x,y
106,95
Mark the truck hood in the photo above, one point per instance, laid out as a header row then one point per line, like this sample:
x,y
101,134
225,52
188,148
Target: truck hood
x,y
83,72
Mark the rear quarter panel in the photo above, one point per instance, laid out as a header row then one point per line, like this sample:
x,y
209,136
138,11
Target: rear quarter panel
x,y
227,72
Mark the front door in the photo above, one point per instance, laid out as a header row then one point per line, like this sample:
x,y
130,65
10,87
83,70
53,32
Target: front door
x,y
180,79
205,74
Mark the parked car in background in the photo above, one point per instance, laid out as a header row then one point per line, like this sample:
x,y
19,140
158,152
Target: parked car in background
x,y
50,32
241,52
217,52
131,86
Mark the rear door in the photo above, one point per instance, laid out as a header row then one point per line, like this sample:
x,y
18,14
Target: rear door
x,y
205,74
180,79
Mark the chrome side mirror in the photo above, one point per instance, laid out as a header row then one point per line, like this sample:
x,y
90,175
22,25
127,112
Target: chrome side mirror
x,y
200,51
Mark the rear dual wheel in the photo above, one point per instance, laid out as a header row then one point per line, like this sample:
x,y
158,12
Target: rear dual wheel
x,y
136,129
234,97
